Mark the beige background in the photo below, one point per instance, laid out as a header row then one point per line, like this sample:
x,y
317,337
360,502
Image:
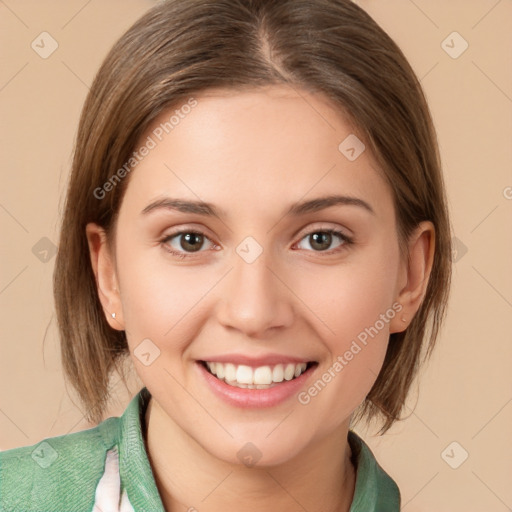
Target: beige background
x,y
465,393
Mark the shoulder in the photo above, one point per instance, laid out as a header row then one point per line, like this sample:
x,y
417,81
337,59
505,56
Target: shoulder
x,y
58,473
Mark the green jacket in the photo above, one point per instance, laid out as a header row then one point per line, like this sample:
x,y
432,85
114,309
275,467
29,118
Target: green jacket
x,y
106,469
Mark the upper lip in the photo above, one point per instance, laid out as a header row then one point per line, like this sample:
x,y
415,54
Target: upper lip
x,y
266,360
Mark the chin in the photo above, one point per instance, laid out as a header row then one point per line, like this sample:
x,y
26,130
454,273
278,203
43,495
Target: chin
x,y
259,450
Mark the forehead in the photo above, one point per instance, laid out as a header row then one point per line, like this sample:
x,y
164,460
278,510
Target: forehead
x,y
258,147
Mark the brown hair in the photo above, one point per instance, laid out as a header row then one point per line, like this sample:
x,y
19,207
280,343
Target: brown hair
x,y
182,47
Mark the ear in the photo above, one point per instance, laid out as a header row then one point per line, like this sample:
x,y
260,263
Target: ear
x,y
414,275
104,271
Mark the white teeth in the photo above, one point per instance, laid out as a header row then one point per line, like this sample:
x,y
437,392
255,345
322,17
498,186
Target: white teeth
x,y
289,371
219,370
229,372
262,377
278,373
244,375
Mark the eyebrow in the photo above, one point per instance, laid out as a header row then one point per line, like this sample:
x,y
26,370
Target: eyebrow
x,y
296,209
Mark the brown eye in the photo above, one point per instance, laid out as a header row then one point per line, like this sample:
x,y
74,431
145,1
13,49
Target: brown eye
x,y
322,239
185,242
191,241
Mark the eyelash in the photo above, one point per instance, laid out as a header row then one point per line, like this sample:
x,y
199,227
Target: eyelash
x,y
346,241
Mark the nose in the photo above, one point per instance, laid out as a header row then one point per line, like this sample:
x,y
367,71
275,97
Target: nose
x,y
255,298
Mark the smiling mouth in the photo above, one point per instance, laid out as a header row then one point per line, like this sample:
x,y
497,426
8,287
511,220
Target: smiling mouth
x,y
261,377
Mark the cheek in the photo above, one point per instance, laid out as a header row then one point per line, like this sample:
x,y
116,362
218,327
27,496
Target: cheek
x,y
354,307
350,297
157,296
357,314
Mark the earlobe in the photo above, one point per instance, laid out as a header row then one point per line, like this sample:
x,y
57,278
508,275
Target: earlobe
x,y
417,269
104,272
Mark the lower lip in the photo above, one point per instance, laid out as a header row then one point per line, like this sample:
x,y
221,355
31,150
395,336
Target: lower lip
x,y
255,398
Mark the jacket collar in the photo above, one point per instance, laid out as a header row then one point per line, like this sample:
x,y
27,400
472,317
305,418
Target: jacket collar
x,y
375,490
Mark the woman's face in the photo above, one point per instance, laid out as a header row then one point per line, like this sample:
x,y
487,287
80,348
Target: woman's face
x,y
263,285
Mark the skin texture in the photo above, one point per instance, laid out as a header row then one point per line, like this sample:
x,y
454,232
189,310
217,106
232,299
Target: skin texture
x,y
253,154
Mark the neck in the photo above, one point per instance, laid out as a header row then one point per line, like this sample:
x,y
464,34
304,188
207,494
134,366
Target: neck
x,y
321,478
